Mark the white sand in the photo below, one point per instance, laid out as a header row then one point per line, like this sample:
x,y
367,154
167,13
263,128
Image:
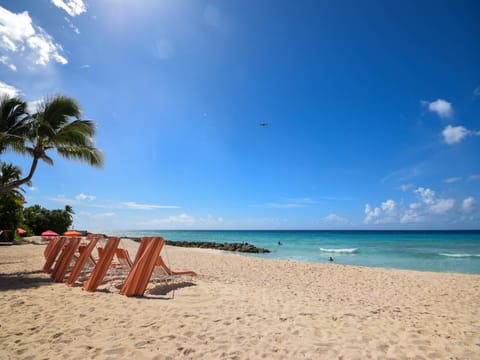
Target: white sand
x,y
241,308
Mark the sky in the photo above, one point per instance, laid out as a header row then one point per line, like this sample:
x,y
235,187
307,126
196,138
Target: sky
x,y
373,111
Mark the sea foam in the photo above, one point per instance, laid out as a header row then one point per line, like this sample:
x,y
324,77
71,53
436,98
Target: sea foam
x,y
339,251
459,255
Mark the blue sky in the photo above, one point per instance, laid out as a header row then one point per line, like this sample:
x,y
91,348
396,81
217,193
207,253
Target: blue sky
x,y
373,111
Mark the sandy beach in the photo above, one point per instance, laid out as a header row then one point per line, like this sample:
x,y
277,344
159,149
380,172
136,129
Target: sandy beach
x,y
240,308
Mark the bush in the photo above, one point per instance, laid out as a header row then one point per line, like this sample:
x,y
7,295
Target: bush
x,y
39,219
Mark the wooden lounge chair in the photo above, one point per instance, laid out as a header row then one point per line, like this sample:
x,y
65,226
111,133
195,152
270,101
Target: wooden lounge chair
x,y
84,260
65,258
50,246
142,269
124,259
102,265
54,251
161,267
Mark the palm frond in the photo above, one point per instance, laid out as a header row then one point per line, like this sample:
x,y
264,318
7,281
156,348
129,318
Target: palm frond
x,y
47,159
58,110
88,154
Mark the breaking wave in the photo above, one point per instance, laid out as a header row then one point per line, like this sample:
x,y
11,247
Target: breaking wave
x,y
459,255
339,251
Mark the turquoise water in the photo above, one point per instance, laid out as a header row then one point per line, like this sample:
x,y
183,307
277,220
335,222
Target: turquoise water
x,y
440,251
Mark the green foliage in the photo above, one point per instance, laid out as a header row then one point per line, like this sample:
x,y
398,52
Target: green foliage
x,y
55,127
11,202
39,219
11,212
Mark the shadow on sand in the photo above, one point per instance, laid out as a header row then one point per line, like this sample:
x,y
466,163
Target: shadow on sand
x,y
23,280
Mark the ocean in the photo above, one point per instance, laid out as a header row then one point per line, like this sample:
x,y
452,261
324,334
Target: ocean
x,y
439,251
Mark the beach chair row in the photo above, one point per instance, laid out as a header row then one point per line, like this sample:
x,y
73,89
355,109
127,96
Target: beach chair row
x,y
69,255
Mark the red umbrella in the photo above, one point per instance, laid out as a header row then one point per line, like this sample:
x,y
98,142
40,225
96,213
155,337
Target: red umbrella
x,y
49,233
20,231
72,233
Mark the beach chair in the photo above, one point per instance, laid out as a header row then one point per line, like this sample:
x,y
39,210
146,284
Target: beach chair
x,y
162,268
85,260
52,254
65,258
102,265
124,259
139,277
51,245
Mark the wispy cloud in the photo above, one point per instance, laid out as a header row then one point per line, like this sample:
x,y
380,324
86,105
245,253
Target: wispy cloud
x,y
9,90
474,177
23,42
441,107
137,206
75,29
6,61
183,219
406,187
290,203
476,92
71,7
452,180
334,219
82,196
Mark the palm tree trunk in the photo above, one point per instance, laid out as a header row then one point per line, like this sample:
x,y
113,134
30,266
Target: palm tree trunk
x,y
16,184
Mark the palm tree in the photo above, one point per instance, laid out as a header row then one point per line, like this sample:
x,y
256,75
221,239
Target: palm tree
x,y
8,174
52,128
14,121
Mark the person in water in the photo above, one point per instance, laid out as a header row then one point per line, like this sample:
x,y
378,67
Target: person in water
x,y
330,259
280,243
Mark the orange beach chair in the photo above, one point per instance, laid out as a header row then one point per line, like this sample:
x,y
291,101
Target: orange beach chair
x,y
52,253
83,259
142,269
102,265
65,258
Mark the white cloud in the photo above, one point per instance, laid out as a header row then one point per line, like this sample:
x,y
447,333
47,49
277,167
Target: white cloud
x,y
34,105
182,219
454,134
441,107
335,219
290,204
71,7
405,187
6,61
452,180
428,208
82,196
474,177
476,92
8,90
26,43
426,195
105,214
371,215
442,206
71,25
468,204
389,206
136,206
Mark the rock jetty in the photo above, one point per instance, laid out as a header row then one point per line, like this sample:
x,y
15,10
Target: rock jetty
x,y
238,247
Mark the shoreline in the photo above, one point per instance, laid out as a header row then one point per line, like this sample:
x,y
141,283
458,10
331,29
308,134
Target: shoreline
x,y
37,240
241,307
